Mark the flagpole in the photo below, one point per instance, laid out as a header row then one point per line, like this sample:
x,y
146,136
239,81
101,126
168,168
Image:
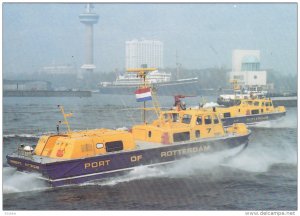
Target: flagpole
x,y
143,88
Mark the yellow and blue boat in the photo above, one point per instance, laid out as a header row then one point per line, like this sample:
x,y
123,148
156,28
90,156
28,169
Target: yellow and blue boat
x,y
77,157
250,111
247,108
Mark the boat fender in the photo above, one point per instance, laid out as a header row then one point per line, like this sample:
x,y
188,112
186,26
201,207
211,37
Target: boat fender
x,y
60,153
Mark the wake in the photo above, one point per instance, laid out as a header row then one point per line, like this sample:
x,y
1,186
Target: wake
x,y
17,182
177,169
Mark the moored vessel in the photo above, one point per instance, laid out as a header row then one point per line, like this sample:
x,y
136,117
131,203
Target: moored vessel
x,y
128,82
77,157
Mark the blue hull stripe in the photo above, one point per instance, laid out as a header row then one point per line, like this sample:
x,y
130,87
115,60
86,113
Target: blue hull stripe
x,y
252,118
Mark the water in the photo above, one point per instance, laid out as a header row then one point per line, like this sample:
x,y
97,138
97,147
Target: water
x,y
263,177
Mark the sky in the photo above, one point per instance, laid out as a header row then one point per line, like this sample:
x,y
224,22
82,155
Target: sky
x,y
204,35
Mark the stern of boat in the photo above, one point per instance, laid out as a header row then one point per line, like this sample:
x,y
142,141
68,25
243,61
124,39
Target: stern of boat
x,y
23,160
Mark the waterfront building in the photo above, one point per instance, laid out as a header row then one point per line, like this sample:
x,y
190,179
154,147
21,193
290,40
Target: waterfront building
x,y
246,69
144,52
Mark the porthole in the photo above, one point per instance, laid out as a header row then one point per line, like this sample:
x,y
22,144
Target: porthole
x,y
99,145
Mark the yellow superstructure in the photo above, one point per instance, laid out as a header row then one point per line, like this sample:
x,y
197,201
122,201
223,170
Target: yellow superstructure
x,y
171,127
84,143
185,125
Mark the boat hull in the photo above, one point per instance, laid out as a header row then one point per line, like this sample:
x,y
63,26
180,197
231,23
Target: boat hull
x,y
252,118
86,169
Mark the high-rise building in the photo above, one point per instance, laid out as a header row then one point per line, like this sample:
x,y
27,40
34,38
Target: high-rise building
x,y
141,52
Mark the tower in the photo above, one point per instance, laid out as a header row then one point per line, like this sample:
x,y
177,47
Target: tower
x,y
88,18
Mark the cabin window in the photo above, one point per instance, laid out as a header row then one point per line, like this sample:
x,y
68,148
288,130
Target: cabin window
x,y
114,146
197,134
271,104
183,136
262,110
216,120
149,133
256,103
263,103
267,103
255,111
207,120
175,117
227,115
249,102
186,119
99,145
199,120
166,116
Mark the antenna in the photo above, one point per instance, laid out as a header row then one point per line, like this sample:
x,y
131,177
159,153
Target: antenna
x,y
89,7
235,86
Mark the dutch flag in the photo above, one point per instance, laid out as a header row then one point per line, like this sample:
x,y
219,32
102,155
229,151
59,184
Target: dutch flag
x,y
143,94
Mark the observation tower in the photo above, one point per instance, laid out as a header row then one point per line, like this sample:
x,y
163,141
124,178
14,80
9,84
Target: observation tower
x,y
88,18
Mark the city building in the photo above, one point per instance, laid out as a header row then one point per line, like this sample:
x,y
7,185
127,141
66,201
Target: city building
x,y
246,69
141,52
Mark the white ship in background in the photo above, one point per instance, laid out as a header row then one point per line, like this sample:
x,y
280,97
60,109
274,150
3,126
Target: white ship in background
x,y
126,84
128,79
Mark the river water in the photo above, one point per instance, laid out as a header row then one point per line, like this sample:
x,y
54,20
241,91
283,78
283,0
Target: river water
x,y
263,177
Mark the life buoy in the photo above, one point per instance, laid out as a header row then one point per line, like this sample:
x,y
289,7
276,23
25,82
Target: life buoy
x,y
60,153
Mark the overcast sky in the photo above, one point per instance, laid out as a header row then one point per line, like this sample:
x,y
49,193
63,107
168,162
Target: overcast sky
x,y
204,35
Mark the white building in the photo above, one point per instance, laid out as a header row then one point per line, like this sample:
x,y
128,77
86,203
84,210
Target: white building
x,y
139,52
246,68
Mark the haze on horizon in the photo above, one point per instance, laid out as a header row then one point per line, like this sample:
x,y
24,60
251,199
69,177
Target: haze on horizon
x,y
204,35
